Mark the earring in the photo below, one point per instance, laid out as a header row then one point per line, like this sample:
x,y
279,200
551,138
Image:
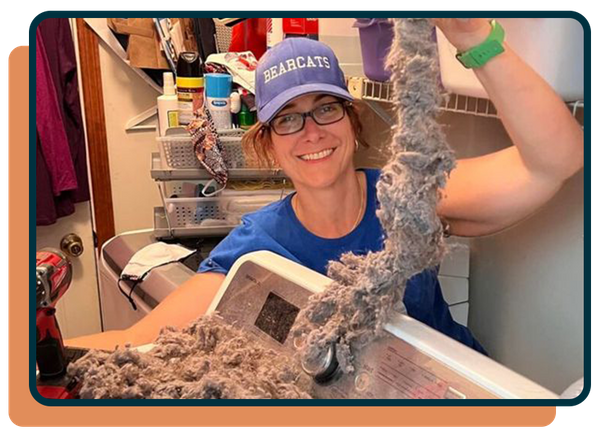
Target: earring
x,y
356,147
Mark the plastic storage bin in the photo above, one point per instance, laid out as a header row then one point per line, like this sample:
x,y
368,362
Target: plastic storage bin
x,y
183,210
177,152
552,46
376,37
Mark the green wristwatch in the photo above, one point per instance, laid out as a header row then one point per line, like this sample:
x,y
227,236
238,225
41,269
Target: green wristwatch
x,y
479,55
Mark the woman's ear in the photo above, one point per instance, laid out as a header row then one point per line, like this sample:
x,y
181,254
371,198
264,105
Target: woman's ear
x,y
270,150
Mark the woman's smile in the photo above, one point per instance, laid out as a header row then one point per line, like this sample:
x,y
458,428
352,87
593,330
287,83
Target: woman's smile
x,y
317,157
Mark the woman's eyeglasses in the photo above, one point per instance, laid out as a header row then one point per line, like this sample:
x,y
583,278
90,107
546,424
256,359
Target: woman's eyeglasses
x,y
325,114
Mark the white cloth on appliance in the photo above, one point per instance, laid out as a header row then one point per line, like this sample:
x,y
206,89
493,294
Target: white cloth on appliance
x,y
152,256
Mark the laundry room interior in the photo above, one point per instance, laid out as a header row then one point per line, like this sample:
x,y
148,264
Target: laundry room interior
x,y
158,189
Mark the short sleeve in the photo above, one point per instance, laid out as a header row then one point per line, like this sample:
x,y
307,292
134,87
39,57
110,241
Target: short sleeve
x,y
245,238
267,229
234,245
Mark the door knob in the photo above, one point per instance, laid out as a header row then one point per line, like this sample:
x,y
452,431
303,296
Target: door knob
x,y
72,245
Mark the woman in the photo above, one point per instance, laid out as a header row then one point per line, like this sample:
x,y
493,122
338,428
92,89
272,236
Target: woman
x,y
308,126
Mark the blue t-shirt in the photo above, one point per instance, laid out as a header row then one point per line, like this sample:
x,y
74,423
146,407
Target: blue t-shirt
x,y
276,228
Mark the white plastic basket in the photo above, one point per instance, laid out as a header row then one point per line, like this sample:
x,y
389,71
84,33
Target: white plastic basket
x,y
196,212
214,211
227,208
177,152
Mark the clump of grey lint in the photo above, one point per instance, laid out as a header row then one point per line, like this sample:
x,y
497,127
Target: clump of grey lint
x,y
353,309
207,360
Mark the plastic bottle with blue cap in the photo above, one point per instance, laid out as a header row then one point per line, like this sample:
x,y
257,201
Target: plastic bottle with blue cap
x,y
218,91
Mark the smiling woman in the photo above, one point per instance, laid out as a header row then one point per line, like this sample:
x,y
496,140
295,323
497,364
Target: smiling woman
x,y
309,126
313,138
315,153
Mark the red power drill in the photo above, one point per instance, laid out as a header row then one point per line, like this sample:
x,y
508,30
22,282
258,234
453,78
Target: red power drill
x,y
53,272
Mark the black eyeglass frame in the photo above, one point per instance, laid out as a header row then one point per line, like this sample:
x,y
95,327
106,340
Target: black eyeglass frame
x,y
345,104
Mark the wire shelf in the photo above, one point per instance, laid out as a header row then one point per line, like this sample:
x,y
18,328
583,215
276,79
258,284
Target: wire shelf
x,y
363,88
470,105
377,91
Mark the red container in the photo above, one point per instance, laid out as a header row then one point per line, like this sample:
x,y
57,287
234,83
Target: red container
x,y
301,26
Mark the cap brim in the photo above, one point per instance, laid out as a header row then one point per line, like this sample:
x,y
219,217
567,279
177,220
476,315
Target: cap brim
x,y
275,105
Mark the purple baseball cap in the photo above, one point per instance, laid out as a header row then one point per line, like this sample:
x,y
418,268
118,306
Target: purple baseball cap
x,y
293,68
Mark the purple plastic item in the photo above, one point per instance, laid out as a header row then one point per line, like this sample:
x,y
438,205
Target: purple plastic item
x,y
376,36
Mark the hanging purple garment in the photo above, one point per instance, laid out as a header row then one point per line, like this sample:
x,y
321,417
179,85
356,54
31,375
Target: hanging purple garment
x,y
48,207
50,130
60,52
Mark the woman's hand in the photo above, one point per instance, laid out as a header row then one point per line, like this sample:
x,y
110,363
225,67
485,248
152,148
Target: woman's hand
x,y
464,33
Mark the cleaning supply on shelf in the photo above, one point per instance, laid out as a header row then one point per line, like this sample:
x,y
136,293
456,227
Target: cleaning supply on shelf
x,y
236,102
236,106
190,86
246,117
218,102
168,105
240,65
301,27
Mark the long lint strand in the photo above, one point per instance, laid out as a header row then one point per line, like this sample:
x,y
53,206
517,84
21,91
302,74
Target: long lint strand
x,y
353,309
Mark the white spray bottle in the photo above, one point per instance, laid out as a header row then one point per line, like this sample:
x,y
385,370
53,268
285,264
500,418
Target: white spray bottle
x,y
168,106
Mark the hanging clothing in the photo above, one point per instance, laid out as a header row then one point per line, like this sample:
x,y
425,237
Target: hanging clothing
x,y
60,52
60,151
50,129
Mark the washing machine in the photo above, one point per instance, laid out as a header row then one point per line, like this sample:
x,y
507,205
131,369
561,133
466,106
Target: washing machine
x,y
263,294
120,312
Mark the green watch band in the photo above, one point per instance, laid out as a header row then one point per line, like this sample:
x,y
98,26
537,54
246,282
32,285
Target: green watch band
x,y
481,54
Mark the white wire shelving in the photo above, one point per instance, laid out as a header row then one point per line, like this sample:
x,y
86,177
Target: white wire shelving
x,y
375,93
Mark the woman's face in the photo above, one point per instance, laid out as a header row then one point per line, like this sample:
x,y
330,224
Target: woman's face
x,y
317,155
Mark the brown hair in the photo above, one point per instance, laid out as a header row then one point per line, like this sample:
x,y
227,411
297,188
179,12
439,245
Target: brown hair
x,y
257,141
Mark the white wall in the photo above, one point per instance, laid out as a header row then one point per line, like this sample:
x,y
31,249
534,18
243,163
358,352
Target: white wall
x,y
134,192
527,292
526,283
339,34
